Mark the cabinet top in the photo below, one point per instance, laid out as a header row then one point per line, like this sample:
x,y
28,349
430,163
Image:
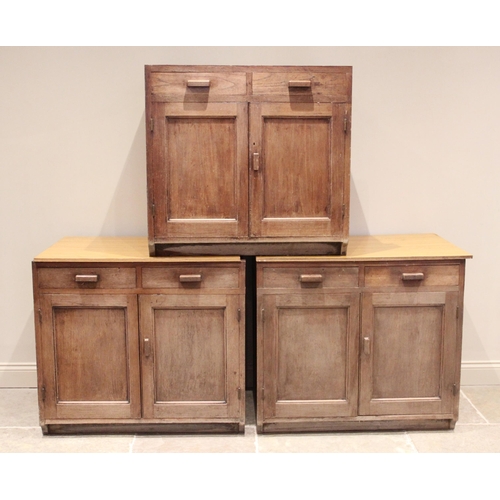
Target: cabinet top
x,y
181,68
389,248
135,249
112,249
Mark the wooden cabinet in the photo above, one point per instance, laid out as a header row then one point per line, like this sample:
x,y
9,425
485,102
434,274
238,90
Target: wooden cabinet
x,y
248,160
371,340
130,343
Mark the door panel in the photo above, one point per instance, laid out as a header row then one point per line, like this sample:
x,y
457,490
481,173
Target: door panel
x,y
200,182
310,355
298,174
90,356
408,357
190,357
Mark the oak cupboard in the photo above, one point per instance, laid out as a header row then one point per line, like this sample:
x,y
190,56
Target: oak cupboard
x,y
248,160
126,343
371,340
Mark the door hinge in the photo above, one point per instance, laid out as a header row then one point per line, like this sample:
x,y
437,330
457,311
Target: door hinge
x,y
262,394
40,315
42,393
153,210
343,211
238,315
345,124
151,125
239,392
455,389
458,312
262,315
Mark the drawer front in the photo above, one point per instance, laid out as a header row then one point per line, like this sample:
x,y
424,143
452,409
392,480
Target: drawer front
x,y
87,277
192,84
309,277
335,86
190,277
412,275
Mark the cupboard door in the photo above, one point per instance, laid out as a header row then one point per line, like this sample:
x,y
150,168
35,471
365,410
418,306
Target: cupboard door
x,y
309,350
90,356
199,172
191,362
299,178
408,353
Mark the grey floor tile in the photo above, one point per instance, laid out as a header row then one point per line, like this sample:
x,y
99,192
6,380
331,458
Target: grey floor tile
x,y
18,408
249,409
467,438
377,442
487,401
31,440
467,413
234,443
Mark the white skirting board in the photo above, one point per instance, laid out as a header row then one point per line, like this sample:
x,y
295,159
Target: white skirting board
x,y
18,375
480,373
473,373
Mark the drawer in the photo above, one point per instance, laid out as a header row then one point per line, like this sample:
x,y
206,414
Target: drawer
x,y
309,277
412,275
335,86
190,277
192,84
87,277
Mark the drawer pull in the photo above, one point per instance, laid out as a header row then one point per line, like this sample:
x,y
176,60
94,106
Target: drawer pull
x,y
412,276
190,278
311,278
198,83
87,278
299,84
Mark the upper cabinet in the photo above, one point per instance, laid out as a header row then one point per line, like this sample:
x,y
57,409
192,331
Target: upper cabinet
x,y
248,159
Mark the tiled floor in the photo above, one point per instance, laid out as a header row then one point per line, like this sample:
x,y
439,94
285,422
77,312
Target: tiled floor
x,y
477,431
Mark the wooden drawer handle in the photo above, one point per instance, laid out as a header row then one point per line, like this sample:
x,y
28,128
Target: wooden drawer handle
x,y
198,83
190,278
300,84
87,278
311,278
412,276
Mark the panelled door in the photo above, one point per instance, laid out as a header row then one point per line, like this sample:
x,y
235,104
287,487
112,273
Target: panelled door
x,y
309,355
90,356
408,353
297,169
200,160
190,356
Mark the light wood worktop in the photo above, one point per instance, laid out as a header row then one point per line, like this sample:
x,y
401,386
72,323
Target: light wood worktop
x,y
135,249
112,249
389,248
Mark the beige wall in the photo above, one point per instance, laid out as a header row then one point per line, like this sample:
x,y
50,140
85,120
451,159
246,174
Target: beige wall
x,y
425,158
